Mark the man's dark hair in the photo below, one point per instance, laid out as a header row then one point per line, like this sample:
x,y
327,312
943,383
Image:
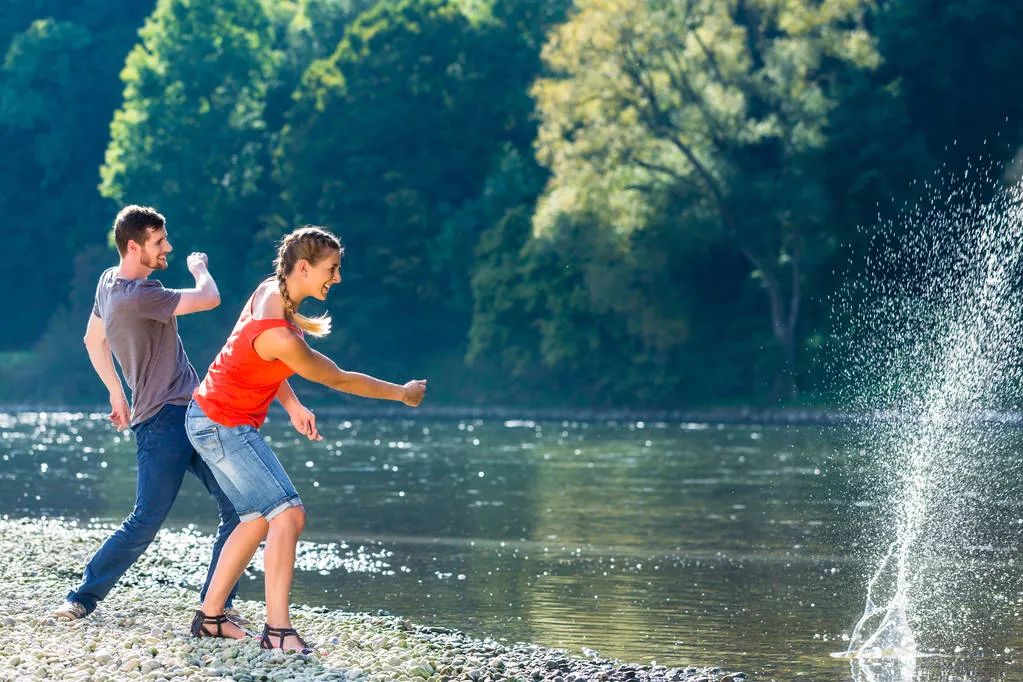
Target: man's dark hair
x,y
132,223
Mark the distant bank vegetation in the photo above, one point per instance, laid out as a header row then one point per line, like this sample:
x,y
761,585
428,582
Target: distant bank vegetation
x,y
640,203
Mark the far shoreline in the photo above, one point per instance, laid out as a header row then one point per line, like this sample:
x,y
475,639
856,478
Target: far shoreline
x,y
767,416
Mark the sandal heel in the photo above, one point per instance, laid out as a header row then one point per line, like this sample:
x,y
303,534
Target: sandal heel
x,y
201,620
281,634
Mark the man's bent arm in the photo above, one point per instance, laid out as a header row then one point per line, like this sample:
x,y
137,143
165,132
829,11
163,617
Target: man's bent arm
x,y
103,362
204,295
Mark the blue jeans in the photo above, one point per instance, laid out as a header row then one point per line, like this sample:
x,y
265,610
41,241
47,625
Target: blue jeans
x,y
164,454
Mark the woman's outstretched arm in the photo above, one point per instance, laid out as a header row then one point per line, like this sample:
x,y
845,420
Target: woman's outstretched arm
x,y
283,345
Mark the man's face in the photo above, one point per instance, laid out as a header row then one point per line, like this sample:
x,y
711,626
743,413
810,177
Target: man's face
x,y
153,254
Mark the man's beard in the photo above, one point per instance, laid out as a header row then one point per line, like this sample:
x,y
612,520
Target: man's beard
x,y
153,264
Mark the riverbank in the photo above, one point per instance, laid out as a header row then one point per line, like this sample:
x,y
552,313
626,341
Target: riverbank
x,y
140,632
370,410
776,416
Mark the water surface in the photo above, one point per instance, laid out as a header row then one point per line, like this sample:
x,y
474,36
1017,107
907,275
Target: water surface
x,y
745,546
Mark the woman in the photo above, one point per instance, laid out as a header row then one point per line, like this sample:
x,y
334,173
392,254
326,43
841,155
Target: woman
x,y
227,409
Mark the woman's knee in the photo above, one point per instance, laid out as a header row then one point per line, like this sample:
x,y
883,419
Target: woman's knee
x,y
258,526
291,520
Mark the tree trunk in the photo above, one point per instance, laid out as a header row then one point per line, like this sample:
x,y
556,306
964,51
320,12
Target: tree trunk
x,y
783,325
784,305
784,317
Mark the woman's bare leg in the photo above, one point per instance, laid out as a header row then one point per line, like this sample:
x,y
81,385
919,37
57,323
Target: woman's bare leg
x,y
236,555
279,565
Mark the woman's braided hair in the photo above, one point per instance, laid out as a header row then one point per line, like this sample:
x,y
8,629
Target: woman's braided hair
x,y
312,244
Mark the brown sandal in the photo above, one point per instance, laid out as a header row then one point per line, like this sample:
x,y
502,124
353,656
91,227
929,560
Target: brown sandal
x,y
281,633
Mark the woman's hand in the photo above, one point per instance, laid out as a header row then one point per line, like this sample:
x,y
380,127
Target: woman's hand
x,y
412,393
304,421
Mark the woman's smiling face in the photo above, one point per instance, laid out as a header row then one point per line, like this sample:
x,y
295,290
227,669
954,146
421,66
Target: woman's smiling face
x,y
324,275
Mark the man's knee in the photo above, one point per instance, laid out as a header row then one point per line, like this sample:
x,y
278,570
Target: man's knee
x,y
142,526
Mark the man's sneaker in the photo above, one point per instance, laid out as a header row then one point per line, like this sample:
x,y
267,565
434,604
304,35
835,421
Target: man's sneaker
x,y
235,617
70,610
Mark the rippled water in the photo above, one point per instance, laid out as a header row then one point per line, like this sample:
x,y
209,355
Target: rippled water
x,y
738,545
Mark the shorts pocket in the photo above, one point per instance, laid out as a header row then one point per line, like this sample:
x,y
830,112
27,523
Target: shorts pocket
x,y
206,442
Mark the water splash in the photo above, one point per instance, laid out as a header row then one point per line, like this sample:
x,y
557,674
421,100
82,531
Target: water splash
x,y
892,635
935,317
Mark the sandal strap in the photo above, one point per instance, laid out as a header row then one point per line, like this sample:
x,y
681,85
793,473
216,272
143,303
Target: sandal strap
x,y
280,631
215,620
201,620
281,634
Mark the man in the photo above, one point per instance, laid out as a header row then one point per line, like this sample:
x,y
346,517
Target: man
x,y
135,318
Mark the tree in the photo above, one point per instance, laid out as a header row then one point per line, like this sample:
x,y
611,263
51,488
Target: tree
x,y
706,108
190,137
965,96
186,152
58,84
591,313
390,142
507,301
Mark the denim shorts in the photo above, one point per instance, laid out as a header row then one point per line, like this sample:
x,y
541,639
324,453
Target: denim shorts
x,y
243,464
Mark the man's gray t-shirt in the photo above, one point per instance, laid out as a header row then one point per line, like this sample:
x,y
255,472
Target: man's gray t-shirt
x,y
138,318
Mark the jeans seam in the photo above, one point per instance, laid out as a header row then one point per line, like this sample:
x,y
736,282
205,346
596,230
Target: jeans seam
x,y
266,469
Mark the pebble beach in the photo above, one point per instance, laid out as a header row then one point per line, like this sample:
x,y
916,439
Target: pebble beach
x,y
140,632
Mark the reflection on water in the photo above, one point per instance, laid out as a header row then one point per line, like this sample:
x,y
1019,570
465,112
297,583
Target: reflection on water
x,y
681,543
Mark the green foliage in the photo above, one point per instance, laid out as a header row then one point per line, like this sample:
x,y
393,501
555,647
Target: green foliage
x,y
58,84
205,94
722,104
599,226
390,142
190,137
957,64
57,370
504,333
305,31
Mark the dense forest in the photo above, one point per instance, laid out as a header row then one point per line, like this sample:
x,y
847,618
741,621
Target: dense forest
x,y
634,203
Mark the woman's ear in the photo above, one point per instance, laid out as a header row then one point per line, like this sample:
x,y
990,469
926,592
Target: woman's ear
x,y
303,267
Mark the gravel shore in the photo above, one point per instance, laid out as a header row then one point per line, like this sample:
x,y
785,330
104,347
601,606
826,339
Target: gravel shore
x,y
140,632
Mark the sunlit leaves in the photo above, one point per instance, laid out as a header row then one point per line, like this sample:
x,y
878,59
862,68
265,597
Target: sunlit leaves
x,y
673,89
724,102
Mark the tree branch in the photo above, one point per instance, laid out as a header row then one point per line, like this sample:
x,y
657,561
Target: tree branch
x,y
711,60
658,120
656,167
680,82
795,295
